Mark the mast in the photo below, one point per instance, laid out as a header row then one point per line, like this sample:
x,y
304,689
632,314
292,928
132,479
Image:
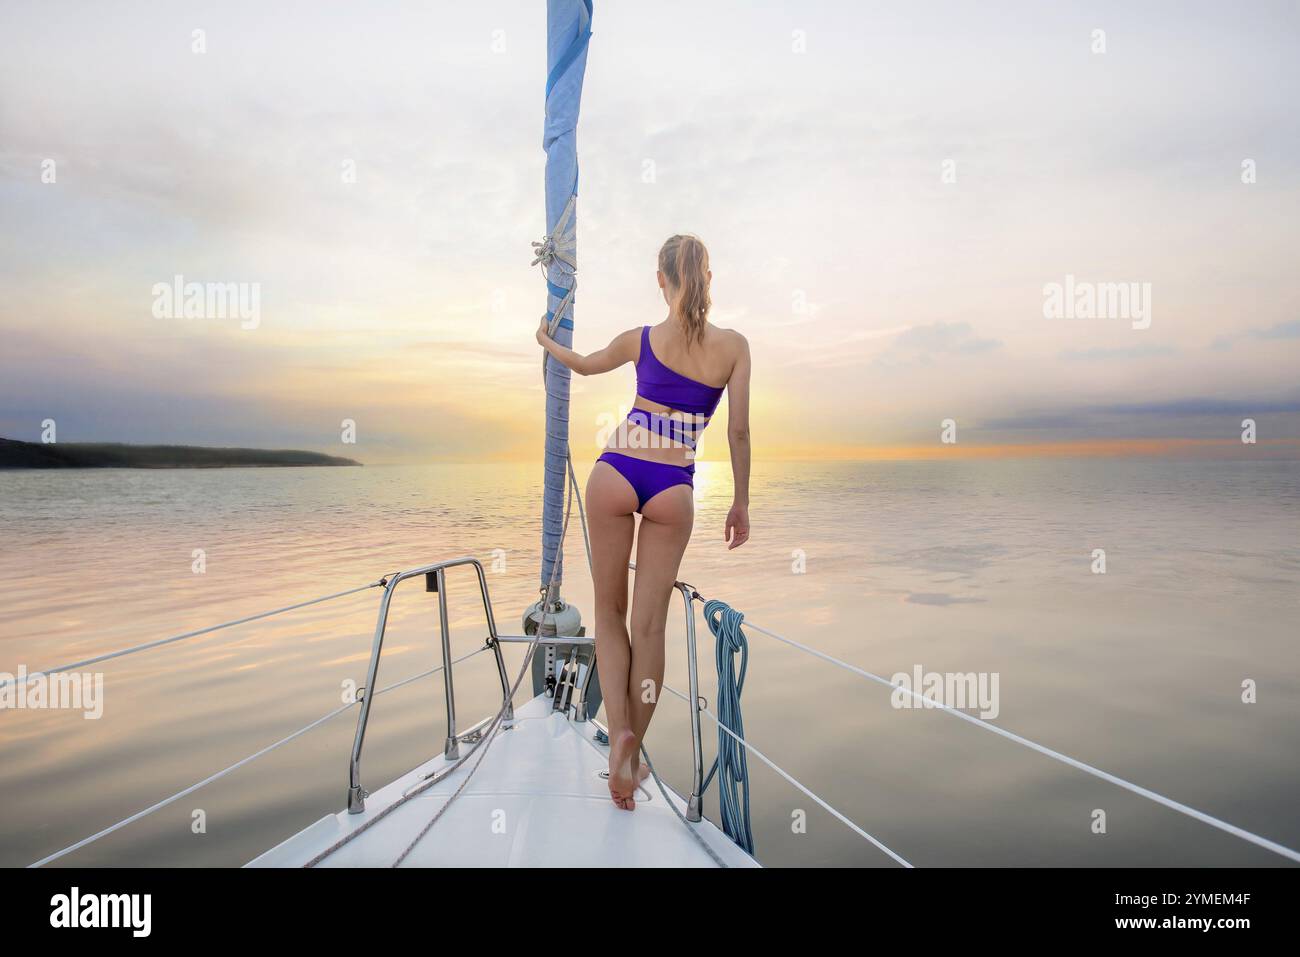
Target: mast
x,y
568,29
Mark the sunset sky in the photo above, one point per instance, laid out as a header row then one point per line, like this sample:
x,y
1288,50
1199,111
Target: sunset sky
x,y
805,143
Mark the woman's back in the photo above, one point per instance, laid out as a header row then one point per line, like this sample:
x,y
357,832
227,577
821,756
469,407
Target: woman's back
x,y
708,361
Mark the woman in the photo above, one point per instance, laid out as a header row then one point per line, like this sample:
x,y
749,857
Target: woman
x,y
683,365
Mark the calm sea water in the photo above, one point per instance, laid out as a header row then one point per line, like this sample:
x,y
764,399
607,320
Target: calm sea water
x,y
955,567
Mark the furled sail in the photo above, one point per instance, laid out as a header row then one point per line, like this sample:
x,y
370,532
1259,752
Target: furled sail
x,y
568,28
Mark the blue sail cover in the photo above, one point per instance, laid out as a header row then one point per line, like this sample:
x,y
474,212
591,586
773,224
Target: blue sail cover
x,y
568,29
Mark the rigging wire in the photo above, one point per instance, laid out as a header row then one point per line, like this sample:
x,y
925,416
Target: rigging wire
x,y
190,634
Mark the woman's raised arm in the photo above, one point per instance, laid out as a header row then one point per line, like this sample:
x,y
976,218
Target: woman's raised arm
x,y
623,348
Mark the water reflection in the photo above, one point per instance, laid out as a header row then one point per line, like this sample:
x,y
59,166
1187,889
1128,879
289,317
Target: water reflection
x,y
971,566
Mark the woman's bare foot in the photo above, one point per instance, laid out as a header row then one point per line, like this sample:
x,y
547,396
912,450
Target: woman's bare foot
x,y
639,770
622,779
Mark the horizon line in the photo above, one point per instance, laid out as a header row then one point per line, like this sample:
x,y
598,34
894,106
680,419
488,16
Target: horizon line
x,y
1283,449
1262,450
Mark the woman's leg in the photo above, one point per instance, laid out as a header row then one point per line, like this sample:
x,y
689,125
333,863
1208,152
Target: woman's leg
x,y
665,529
610,504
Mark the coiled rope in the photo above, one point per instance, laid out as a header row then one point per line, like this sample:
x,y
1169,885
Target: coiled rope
x,y
730,765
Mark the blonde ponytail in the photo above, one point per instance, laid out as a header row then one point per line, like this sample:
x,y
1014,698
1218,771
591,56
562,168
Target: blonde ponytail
x,y
685,264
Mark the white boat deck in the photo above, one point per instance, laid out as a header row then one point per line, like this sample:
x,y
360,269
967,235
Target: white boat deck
x,y
536,800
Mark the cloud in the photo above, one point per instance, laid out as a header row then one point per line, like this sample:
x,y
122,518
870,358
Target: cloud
x,y
1205,417
1134,352
921,344
944,337
1052,420
1280,330
1283,330
1203,406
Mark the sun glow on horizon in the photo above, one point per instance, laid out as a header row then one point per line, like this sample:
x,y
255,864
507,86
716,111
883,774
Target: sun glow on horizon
x,y
876,227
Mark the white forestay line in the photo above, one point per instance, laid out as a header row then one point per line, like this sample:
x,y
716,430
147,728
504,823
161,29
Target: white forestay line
x,y
708,849
771,764
586,541
239,764
491,733
668,800
1137,789
189,634
481,751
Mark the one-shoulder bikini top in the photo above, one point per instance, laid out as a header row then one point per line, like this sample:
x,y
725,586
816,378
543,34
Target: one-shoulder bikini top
x,y
658,383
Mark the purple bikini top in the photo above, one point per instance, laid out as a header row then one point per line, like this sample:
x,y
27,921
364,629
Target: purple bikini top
x,y
658,383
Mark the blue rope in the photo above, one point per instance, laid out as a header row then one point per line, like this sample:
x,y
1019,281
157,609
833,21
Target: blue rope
x,y
730,764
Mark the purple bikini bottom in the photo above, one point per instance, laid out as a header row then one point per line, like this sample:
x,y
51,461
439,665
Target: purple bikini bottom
x,y
648,479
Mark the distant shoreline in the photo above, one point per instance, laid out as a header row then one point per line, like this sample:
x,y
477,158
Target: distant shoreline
x,y
108,455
